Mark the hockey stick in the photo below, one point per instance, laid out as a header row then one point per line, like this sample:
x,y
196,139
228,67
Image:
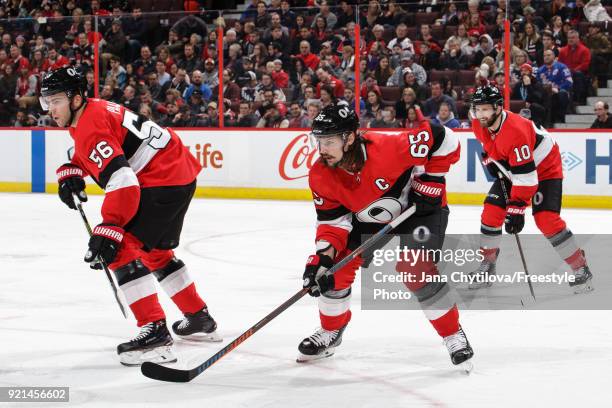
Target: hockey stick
x,y
518,241
108,274
163,373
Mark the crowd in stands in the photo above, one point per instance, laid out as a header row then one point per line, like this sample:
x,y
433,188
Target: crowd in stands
x,y
283,60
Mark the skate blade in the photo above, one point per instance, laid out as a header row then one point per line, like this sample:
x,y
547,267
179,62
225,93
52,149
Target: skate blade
x,y
466,367
304,358
586,287
207,337
159,355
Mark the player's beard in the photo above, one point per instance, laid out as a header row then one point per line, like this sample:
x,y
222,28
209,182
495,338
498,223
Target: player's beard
x,y
353,159
492,120
326,158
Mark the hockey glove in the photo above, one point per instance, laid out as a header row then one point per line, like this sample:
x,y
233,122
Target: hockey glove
x,y
315,275
104,245
426,193
489,164
515,216
70,181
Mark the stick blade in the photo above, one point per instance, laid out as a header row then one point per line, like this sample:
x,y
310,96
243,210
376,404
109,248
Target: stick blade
x,y
163,373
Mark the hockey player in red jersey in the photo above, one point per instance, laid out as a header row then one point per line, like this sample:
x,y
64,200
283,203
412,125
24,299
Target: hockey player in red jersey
x,y
149,178
358,177
531,162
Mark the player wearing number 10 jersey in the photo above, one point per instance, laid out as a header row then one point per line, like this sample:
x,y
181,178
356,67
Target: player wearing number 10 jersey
x,y
360,182
529,159
149,180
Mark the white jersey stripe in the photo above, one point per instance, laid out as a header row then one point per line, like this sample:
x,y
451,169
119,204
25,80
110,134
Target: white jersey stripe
x,y
544,148
334,307
449,144
123,177
528,179
142,156
176,281
344,222
139,288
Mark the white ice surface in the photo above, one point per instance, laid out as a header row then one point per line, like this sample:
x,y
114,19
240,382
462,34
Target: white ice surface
x,y
59,325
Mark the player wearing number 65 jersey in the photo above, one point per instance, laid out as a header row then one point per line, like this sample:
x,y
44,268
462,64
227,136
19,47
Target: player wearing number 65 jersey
x,y
529,159
149,180
362,181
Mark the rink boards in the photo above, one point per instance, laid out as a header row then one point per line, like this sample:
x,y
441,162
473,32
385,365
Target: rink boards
x,y
274,164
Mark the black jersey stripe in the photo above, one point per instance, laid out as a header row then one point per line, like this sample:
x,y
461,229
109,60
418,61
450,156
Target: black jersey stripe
x,y
332,213
438,135
114,165
524,168
132,142
539,135
130,272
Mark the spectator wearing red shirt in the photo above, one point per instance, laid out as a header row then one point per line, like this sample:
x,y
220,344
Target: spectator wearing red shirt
x,y
577,57
327,52
91,34
54,60
279,76
97,11
474,22
16,58
370,85
309,59
326,78
25,94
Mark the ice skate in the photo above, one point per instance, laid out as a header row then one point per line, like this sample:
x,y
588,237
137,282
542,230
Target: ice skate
x,y
319,345
153,343
198,326
460,350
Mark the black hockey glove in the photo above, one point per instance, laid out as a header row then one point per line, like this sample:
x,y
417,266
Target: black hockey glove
x,y
515,216
70,181
426,193
315,275
104,243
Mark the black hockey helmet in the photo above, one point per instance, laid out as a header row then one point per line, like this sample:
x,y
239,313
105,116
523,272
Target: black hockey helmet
x,y
488,95
67,79
335,119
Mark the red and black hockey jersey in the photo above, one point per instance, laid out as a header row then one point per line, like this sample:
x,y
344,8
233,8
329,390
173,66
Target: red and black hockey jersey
x,y
379,192
528,152
123,152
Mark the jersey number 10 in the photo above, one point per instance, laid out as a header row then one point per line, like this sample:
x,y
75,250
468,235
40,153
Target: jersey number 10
x,y
523,153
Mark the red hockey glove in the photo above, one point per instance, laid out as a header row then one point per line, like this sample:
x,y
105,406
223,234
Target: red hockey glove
x,y
70,181
104,245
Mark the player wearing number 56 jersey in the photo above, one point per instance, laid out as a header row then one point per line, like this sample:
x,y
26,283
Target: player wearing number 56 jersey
x,y
149,180
530,161
362,181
